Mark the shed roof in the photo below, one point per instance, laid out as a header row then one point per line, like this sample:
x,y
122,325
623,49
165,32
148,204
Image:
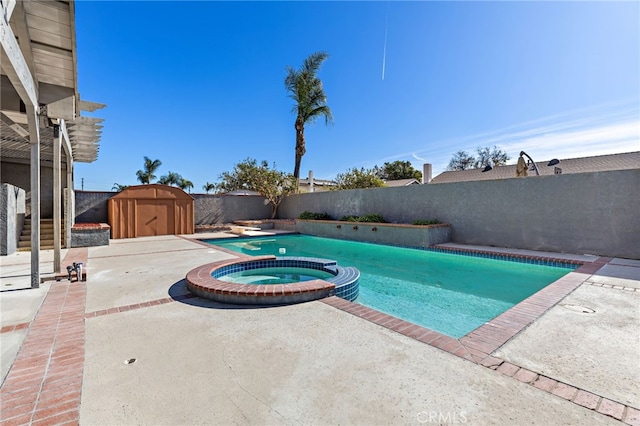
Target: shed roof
x,y
153,191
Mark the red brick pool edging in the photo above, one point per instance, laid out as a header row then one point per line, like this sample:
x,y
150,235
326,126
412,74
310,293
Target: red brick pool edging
x,y
478,345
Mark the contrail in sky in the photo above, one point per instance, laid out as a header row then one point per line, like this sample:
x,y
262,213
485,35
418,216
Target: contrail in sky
x,y
384,50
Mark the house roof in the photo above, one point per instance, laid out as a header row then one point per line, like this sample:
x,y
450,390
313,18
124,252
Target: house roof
x,y
402,182
317,182
242,192
600,163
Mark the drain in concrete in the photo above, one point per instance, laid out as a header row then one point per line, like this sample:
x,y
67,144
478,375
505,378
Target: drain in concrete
x,y
581,309
130,361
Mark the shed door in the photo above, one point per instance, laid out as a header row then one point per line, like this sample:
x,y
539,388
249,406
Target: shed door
x,y
154,217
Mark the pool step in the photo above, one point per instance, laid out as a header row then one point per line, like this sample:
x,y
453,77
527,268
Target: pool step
x,y
243,230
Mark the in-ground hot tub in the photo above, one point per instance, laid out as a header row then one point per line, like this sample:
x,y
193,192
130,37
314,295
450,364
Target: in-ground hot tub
x,y
270,280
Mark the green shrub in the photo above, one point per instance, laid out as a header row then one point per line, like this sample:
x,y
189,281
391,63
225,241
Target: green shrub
x,y
426,222
375,218
372,218
306,215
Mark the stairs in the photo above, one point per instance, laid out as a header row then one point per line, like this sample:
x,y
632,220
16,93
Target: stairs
x,y
46,235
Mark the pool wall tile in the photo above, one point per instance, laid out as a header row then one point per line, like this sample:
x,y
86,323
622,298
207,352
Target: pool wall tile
x,y
534,260
435,247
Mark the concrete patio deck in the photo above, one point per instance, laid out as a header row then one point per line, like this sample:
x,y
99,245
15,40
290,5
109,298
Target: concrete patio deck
x,y
67,351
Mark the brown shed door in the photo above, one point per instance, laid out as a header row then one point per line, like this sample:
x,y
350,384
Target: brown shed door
x,y
154,217
148,210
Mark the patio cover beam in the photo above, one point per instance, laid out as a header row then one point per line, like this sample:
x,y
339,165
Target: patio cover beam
x,y
8,10
15,65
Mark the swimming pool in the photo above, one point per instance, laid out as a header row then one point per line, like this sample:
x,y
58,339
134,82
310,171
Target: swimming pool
x,y
449,293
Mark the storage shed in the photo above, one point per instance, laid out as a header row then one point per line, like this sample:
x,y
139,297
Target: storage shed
x,y
147,210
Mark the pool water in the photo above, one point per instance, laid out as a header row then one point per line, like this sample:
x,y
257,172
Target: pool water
x,y
275,276
449,293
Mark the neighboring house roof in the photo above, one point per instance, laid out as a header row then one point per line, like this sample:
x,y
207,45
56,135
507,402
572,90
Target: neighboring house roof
x,y
319,182
318,185
241,192
600,163
402,182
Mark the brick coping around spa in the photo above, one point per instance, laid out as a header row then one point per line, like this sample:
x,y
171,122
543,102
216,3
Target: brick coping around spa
x,y
200,282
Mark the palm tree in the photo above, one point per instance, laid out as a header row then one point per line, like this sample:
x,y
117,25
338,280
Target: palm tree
x,y
119,188
170,178
185,184
305,88
209,187
146,175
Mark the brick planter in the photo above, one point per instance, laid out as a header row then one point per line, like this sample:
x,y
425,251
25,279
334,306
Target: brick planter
x,y
382,233
90,234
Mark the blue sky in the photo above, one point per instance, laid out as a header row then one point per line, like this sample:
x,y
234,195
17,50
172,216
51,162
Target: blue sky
x,y
200,85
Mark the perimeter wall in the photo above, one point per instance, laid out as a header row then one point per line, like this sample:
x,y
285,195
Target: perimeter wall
x,y
92,207
586,213
592,213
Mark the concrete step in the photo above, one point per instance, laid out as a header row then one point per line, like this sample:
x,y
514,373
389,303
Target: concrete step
x,y
42,243
41,248
42,226
42,237
46,235
43,234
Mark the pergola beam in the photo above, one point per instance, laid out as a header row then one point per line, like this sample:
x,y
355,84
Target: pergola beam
x,y
9,8
22,30
15,65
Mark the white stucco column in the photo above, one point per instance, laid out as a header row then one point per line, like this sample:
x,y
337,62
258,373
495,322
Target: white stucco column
x,y
57,193
34,134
